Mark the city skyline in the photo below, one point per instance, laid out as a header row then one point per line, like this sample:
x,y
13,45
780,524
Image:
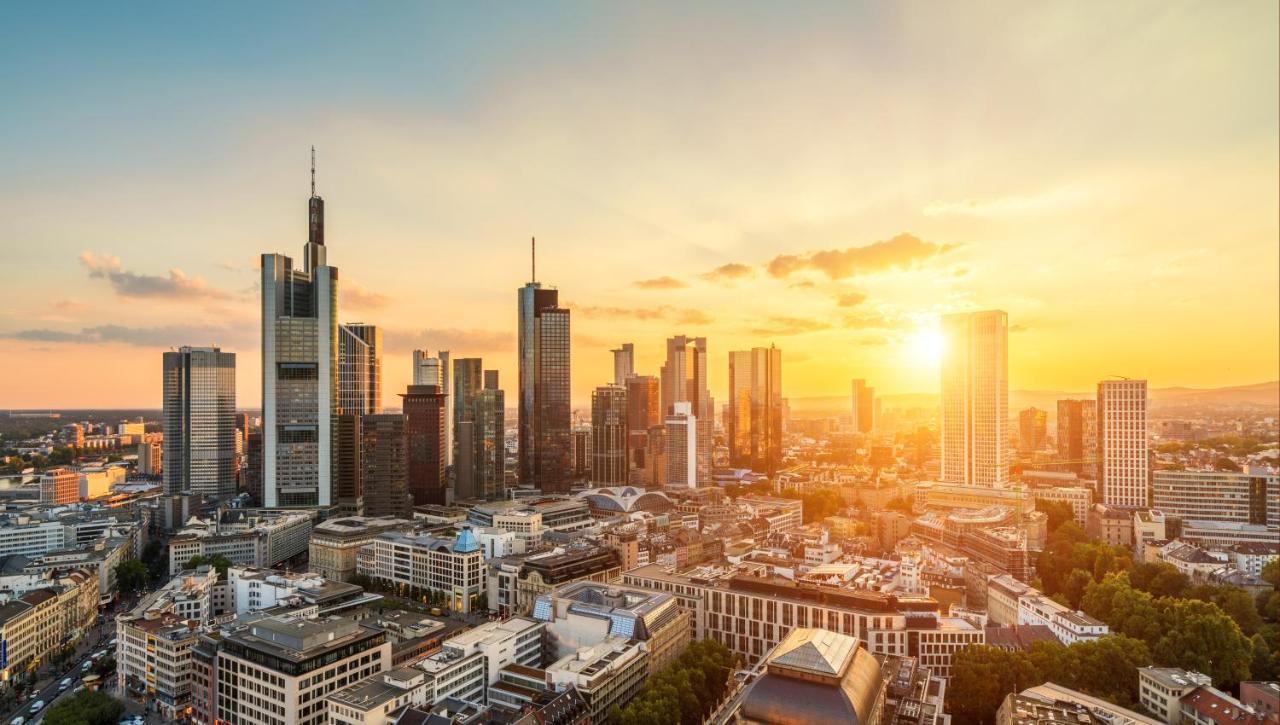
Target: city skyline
x,y
839,219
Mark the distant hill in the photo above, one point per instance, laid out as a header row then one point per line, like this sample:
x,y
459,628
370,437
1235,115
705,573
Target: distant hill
x,y
1258,394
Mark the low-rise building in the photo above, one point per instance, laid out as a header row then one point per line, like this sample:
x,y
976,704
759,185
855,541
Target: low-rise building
x,y
154,660
335,544
540,574
816,675
584,613
1161,689
420,564
605,674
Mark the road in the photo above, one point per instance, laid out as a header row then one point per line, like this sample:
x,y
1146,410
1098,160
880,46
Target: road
x,y
47,684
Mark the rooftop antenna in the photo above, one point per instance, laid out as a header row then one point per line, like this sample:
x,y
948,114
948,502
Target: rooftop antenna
x,y
533,259
313,170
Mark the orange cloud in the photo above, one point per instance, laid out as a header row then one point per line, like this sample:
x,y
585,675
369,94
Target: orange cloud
x,y
357,297
791,326
851,299
131,284
663,312
728,272
660,283
901,252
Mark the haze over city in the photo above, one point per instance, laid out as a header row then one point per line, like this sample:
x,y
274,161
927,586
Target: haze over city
x,y
829,181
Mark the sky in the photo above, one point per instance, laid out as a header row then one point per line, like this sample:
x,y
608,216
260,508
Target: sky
x,y
825,178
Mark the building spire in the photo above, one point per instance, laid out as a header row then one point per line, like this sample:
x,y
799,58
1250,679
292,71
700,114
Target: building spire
x,y
533,259
313,170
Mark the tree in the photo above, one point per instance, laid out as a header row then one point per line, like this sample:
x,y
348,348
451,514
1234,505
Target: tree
x,y
1222,463
1058,512
1159,579
904,505
219,562
1199,636
131,576
1262,666
1240,606
104,666
85,708
982,676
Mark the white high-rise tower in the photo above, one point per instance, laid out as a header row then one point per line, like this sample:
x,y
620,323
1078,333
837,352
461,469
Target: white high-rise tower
x,y
975,398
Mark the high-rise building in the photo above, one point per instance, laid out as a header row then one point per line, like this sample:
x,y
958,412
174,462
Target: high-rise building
x,y
299,371
199,421
1032,427
480,461
490,439
755,409
609,435
429,370
1078,435
864,406
975,398
682,447
580,453
150,457
359,368
424,409
624,363
644,412
684,379
544,407
385,461
467,382
1122,442
348,470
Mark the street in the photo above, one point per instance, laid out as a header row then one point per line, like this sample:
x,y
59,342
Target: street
x,y
46,688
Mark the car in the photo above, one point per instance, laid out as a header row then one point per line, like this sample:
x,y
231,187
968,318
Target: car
x,y
17,720
37,706
87,664
65,684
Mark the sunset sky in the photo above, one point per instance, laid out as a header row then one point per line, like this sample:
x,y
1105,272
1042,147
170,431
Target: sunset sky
x,y
828,179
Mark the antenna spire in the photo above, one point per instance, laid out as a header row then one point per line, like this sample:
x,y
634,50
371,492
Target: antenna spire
x,y
533,259
313,170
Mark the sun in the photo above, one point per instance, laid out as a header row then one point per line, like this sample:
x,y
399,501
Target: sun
x,y
926,347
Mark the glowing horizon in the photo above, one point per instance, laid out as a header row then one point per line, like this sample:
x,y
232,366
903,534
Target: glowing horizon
x,y
829,182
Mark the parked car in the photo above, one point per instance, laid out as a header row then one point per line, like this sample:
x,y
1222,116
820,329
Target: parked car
x,y
17,720
64,684
37,706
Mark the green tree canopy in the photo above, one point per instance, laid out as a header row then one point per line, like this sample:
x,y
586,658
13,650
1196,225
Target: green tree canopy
x,y
85,708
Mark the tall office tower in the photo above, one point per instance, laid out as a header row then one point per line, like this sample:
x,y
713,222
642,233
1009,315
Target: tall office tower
x,y
200,421
609,435
253,458
1122,442
644,411
1078,436
150,457
580,453
490,439
624,363
436,370
424,410
755,409
359,368
684,379
384,461
544,409
864,406
59,486
975,398
299,371
1032,426
468,380
681,437
348,471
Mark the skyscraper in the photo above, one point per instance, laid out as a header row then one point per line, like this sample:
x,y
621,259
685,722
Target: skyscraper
x,y
384,458
478,419
609,435
424,411
467,382
199,421
299,371
436,370
1122,442
1032,426
348,469
684,379
864,408
644,412
624,363
490,439
682,446
975,398
544,407
1078,436
755,409
359,368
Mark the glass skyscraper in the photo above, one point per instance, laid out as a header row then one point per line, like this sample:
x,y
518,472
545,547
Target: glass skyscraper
x,y
975,399
544,407
200,421
755,409
299,372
